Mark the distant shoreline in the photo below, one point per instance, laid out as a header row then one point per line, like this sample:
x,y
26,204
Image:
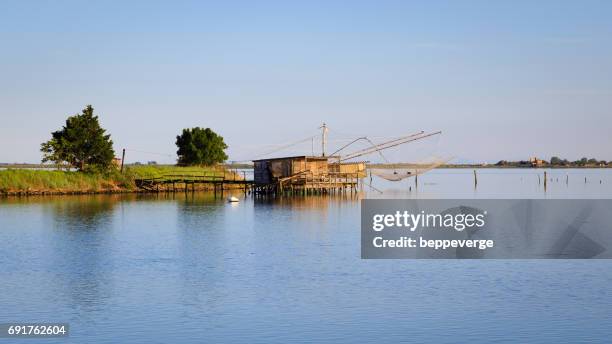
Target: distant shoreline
x,y
520,167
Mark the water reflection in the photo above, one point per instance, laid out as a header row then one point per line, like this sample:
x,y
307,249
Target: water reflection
x,y
191,268
82,247
202,250
83,212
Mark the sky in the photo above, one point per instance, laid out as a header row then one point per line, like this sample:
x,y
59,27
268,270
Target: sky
x,y
501,79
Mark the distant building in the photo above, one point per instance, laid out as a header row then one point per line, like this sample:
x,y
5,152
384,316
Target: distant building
x,y
536,162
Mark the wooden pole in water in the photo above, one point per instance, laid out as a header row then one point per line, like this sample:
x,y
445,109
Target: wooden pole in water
x,y
416,178
475,180
545,180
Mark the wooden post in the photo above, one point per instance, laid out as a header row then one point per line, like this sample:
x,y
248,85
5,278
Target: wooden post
x,y
566,179
475,180
545,180
122,159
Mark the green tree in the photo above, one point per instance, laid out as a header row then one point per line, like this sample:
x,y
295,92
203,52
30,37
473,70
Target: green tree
x,y
81,143
197,146
581,162
555,160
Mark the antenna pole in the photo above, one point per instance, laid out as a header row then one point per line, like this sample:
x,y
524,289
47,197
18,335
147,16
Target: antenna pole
x,y
323,139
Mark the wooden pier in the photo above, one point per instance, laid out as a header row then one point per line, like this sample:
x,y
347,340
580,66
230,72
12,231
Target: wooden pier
x,y
306,175
305,183
177,183
299,175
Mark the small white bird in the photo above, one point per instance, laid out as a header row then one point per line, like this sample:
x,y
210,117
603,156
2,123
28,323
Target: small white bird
x,y
233,199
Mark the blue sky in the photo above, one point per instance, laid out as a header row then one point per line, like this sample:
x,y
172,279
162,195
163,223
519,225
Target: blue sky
x,y
501,79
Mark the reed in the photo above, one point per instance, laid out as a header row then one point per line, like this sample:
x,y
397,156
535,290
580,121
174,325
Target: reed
x,y
34,181
62,181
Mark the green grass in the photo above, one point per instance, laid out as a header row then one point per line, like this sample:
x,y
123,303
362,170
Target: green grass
x,y
16,180
163,171
24,180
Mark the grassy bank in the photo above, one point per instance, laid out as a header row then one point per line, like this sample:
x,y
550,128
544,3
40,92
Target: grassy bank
x,y
160,171
27,181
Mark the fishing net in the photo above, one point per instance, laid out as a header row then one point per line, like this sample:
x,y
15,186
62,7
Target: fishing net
x,y
385,156
401,171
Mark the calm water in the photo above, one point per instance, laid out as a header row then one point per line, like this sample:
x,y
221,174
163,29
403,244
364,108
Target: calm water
x,y
193,269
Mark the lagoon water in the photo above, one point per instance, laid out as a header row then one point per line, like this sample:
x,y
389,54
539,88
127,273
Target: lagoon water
x,y
189,268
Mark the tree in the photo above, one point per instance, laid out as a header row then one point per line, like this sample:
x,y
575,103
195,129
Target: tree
x,y
555,161
197,146
81,143
581,162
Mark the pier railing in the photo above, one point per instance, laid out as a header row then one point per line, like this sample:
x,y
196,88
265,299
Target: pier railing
x,y
323,181
214,178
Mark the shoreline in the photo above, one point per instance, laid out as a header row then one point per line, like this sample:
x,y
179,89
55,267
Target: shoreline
x,y
22,193
29,182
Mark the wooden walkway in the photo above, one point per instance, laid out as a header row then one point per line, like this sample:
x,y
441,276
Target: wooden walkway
x,y
298,184
178,182
305,183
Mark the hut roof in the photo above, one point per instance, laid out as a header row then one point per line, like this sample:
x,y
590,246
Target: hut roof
x,y
348,162
309,157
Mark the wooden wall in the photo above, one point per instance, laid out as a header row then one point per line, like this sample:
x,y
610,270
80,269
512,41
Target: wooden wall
x,y
268,171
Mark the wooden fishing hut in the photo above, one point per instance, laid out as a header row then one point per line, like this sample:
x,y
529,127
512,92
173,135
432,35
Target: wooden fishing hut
x,y
306,175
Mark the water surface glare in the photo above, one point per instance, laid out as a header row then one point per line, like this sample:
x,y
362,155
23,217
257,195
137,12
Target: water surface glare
x,y
191,268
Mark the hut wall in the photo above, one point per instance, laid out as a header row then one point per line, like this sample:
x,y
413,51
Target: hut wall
x,y
317,167
298,165
358,167
280,168
261,174
268,171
